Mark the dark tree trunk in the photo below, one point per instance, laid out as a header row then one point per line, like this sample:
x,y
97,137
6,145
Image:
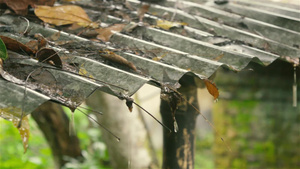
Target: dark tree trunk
x,y
178,151
54,124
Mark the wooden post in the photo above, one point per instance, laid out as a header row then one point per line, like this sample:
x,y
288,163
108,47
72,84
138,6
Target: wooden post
x,y
178,150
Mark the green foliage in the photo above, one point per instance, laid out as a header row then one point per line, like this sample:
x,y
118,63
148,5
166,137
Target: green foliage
x,y
39,155
11,149
91,142
203,153
3,51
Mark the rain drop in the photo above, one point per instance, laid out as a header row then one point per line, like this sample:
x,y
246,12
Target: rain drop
x,y
295,88
175,126
72,125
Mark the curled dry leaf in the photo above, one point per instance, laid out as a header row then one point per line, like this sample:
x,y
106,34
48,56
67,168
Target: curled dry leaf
x,y
35,45
50,56
109,55
212,88
106,33
166,25
64,15
16,46
21,6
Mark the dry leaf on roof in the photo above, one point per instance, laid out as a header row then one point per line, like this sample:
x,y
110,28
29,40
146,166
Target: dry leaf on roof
x,y
212,88
21,6
16,46
166,25
142,11
106,33
109,55
64,15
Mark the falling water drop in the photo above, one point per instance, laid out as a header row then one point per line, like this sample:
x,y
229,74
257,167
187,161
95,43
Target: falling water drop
x,y
118,139
216,100
295,88
175,126
72,125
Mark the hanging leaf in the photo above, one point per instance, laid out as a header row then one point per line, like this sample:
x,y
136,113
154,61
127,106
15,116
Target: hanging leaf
x,y
24,131
16,46
3,51
212,88
64,15
166,25
106,33
9,114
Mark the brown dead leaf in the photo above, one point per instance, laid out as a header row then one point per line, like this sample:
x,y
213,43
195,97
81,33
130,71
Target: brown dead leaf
x,y
33,45
50,56
16,46
109,55
64,15
141,12
212,88
218,57
106,33
21,6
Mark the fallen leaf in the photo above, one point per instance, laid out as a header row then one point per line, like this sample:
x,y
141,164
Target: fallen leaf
x,y
166,25
64,15
212,88
141,12
3,51
50,56
21,6
109,55
106,33
218,57
35,45
84,72
16,46
158,58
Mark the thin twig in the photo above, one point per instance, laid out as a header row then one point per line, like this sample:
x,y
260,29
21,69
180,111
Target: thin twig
x,y
152,116
90,117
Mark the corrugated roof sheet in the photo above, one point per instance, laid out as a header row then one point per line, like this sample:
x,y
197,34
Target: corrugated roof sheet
x,y
229,35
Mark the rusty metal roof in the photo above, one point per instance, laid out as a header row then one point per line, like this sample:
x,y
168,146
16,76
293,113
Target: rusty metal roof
x,y
229,35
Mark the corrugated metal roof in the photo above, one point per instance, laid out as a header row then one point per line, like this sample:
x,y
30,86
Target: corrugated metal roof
x,y
229,35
